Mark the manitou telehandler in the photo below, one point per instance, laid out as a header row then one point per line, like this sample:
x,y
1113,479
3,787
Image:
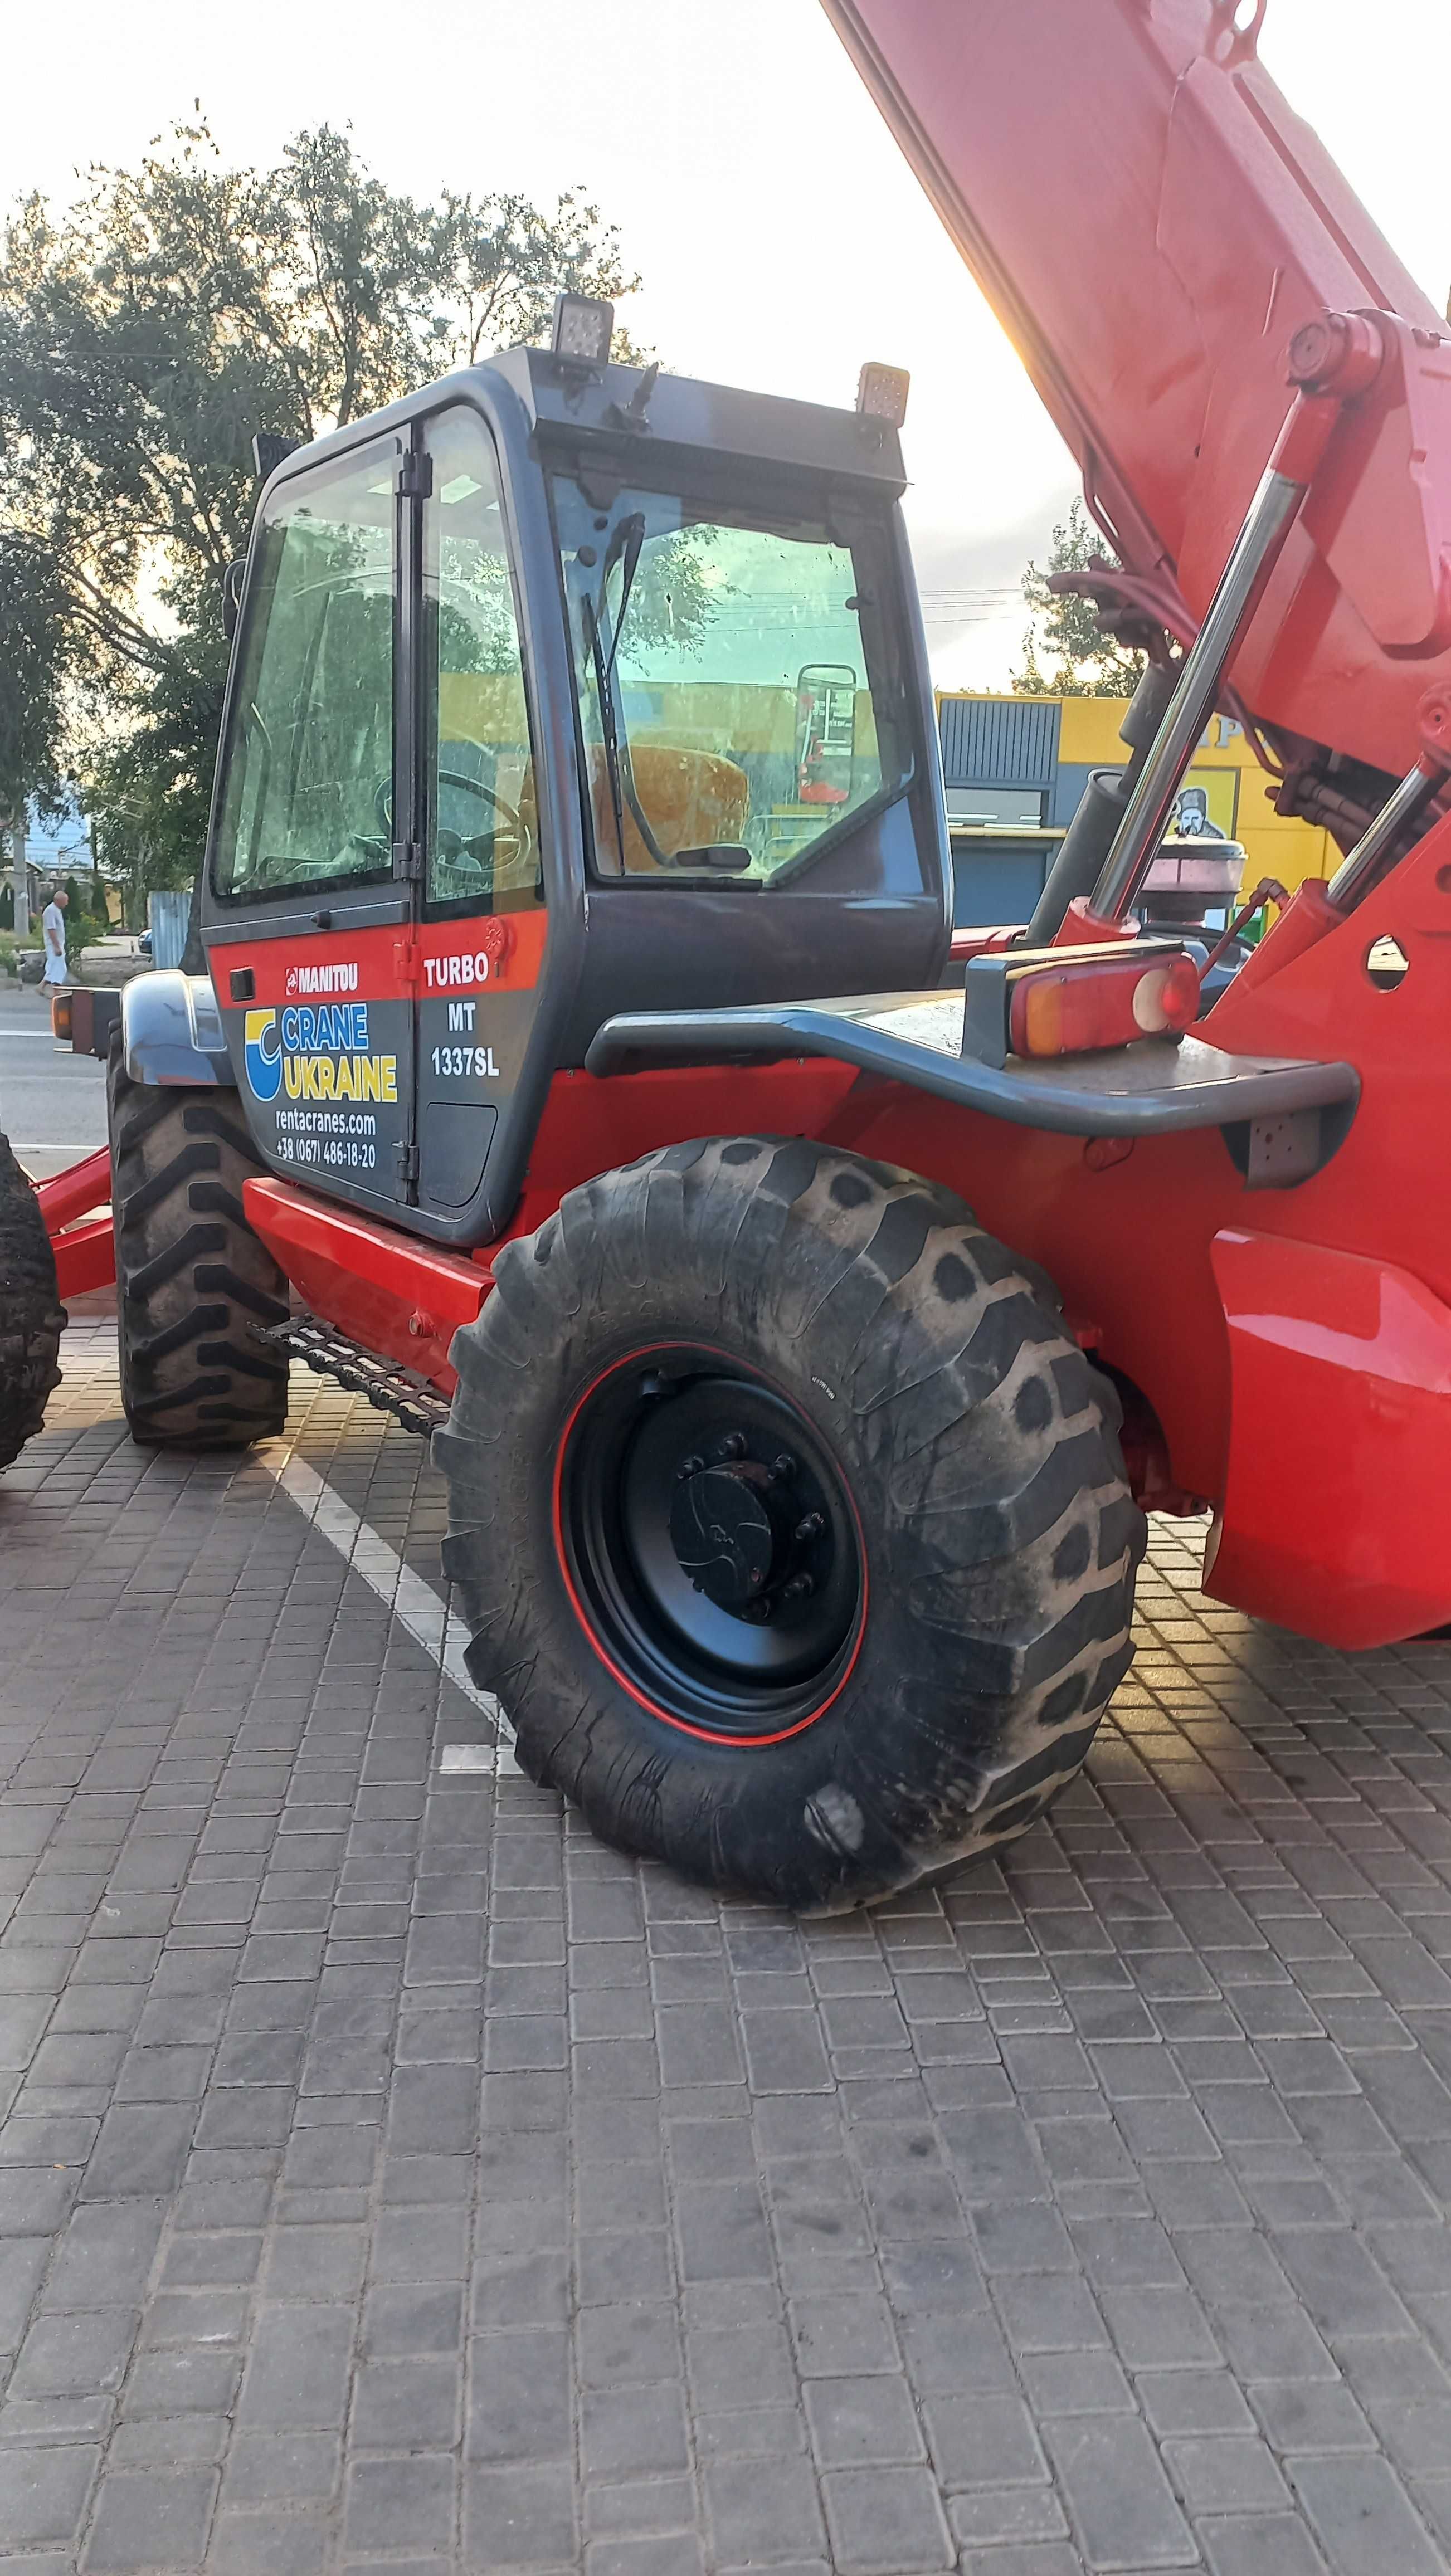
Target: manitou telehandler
x,y
579,749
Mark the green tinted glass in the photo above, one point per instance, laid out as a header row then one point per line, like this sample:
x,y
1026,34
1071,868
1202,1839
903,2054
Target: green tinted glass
x,y
307,794
738,704
483,815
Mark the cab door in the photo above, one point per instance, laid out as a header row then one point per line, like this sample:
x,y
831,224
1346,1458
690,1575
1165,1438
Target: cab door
x,y
311,897
481,931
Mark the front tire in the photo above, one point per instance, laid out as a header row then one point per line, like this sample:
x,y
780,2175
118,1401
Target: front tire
x,y
191,1275
32,1317
835,1349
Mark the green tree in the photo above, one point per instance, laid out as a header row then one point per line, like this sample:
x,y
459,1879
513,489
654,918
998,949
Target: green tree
x,y
1065,652
145,333
32,659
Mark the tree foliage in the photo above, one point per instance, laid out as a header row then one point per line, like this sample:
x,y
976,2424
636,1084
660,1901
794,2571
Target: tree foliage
x,y
145,333
1065,652
32,659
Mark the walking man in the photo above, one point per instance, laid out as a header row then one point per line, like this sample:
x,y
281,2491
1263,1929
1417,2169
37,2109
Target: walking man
x,y
52,931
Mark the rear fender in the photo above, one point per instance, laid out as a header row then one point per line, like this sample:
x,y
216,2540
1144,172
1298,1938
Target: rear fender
x,y
1335,1520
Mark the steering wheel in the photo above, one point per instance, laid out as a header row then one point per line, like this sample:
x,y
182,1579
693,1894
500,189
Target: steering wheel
x,y
502,854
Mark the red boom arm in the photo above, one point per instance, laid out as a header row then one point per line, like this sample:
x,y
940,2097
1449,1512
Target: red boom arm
x,y
1151,223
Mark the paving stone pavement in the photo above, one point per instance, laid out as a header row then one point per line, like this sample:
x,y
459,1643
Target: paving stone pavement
x,y
392,2177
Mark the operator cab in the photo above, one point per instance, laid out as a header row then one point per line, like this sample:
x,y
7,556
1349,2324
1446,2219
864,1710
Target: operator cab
x,y
559,690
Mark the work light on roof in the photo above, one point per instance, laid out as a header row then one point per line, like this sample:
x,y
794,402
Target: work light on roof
x,y
881,393
583,327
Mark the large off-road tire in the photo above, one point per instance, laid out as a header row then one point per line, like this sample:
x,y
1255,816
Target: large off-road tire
x,y
790,1527
32,1318
191,1275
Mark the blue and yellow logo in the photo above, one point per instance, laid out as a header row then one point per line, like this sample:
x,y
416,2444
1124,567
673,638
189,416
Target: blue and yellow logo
x,y
262,1054
320,1054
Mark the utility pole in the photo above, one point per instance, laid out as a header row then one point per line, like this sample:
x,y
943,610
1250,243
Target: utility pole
x,y
21,881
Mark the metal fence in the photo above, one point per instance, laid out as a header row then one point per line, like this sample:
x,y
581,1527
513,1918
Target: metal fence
x,y
166,919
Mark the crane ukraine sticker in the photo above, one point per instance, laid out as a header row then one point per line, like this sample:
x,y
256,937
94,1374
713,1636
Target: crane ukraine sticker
x,y
320,1054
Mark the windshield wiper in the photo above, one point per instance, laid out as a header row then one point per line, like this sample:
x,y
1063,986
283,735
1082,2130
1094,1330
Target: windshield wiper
x,y
628,543
626,546
606,697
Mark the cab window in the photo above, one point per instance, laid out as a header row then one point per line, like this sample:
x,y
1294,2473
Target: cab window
x,y
482,826
739,698
308,778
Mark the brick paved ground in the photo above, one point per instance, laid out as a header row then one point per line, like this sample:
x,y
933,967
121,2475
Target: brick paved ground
x,y
394,2178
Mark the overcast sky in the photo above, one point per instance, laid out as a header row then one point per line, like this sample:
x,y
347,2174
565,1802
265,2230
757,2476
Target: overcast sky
x,y
780,236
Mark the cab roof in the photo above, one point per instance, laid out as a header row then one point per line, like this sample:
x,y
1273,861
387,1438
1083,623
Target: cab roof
x,y
566,399
567,403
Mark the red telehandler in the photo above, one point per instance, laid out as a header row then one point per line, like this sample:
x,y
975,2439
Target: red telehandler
x,y
801,1367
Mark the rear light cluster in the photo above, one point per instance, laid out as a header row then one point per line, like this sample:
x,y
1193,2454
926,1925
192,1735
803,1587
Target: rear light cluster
x,y
1071,1007
1037,1002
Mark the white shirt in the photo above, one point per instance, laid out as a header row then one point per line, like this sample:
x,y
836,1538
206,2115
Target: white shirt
x,y
52,924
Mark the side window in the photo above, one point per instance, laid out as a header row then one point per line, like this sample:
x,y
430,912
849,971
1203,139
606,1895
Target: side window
x,y
308,784
482,808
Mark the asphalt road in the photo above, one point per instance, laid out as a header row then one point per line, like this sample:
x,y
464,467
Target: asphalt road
x,y
52,1103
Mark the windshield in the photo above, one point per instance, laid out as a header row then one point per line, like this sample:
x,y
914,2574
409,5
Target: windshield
x,y
739,700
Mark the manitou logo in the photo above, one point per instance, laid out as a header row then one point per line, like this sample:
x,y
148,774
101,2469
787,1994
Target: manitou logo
x,y
321,979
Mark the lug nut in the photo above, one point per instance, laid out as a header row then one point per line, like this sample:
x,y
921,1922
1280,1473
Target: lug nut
x,y
758,1612
811,1527
733,1445
782,1467
798,1588
687,1468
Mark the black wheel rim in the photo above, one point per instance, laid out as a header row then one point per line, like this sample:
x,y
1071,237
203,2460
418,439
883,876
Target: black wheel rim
x,y
710,1544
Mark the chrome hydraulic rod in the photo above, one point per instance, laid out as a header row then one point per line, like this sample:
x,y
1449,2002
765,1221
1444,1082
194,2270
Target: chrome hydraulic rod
x,y
1256,551
1360,868
1332,359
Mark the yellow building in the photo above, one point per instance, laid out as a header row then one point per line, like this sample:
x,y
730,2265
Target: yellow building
x,y
1015,768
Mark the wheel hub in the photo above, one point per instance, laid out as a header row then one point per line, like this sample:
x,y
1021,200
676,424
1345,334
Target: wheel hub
x,y
709,1531
722,1535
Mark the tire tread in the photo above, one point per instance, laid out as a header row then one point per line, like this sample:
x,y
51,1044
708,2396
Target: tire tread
x,y
191,1273
989,1440
32,1317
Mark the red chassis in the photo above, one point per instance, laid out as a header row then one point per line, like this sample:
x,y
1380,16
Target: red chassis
x,y
85,1255
1292,1347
